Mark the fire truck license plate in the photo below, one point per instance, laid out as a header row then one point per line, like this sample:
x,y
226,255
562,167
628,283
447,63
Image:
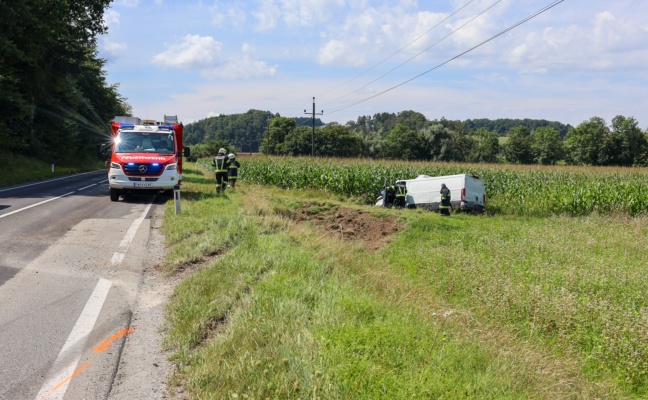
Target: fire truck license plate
x,y
142,185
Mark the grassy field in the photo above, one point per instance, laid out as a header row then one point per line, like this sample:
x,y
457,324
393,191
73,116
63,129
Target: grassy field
x,y
22,169
500,306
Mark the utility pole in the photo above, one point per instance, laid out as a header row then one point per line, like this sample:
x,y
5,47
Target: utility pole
x,y
313,134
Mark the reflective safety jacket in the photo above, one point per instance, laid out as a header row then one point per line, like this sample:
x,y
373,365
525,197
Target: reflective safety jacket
x,y
401,191
232,172
221,162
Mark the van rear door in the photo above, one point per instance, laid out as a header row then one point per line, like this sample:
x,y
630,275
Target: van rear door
x,y
475,193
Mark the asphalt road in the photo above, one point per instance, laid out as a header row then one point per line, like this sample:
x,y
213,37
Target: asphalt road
x,y
71,271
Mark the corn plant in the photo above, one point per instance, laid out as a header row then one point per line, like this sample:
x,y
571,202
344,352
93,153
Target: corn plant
x,y
520,190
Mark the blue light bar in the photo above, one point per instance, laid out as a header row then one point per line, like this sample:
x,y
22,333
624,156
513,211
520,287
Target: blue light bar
x,y
127,126
165,127
131,163
155,164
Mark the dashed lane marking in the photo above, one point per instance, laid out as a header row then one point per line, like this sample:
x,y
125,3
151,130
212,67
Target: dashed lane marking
x,y
64,367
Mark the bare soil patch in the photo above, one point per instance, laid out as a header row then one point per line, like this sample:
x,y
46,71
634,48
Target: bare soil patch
x,y
374,231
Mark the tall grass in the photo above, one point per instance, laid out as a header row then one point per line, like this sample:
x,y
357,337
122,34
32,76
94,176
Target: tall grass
x,y
462,307
575,283
517,190
20,169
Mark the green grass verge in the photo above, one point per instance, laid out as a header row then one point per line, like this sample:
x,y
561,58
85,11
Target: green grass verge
x,y
20,169
462,307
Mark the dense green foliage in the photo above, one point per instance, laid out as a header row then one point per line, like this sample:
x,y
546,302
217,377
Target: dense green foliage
x,y
502,126
539,191
55,103
241,131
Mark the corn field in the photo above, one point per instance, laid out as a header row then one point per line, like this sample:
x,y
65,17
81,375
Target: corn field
x,y
521,190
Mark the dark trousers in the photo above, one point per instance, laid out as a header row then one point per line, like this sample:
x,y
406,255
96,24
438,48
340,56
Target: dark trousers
x,y
399,202
221,181
232,182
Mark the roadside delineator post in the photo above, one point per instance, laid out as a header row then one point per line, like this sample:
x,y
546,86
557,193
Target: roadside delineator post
x,y
176,198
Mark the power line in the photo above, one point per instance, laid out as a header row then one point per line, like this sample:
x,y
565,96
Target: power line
x,y
313,134
426,49
398,51
542,10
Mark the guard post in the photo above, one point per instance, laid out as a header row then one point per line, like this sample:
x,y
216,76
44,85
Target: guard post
x,y
176,198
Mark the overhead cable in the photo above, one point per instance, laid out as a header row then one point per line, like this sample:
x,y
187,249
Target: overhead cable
x,y
397,51
423,51
544,9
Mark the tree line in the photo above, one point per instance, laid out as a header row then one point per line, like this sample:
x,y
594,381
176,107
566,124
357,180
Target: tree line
x,y
243,132
409,135
55,103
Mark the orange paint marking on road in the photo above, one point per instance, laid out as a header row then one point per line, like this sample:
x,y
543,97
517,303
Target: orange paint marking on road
x,y
105,345
75,373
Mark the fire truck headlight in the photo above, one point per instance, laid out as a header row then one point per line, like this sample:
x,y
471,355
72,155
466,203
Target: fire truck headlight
x,y
114,165
171,167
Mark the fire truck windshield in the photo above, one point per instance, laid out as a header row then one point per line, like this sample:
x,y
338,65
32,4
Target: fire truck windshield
x,y
144,142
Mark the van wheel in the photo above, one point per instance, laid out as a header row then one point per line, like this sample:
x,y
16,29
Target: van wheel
x,y
114,194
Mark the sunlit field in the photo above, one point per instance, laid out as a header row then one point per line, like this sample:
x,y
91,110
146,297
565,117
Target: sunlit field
x,y
527,303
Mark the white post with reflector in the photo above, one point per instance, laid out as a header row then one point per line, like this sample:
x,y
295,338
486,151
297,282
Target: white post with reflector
x,y
176,198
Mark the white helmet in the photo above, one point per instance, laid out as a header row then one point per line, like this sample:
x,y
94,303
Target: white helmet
x,y
222,151
231,156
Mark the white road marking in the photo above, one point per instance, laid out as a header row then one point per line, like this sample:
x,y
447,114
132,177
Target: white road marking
x,y
48,200
37,204
70,354
50,180
89,186
118,257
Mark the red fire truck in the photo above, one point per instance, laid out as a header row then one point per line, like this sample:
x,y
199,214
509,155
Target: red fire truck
x,y
146,156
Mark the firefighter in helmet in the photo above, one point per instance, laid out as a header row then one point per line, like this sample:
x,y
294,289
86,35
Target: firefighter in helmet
x,y
444,207
221,163
390,196
232,170
401,193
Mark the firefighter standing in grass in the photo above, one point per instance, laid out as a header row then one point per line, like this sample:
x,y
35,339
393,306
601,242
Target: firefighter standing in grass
x,y
232,171
390,196
221,163
444,208
401,192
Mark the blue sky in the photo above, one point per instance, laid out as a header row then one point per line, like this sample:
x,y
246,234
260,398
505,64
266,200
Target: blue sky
x,y
197,59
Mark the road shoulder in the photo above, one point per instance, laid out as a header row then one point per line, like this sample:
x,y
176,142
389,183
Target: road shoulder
x,y
144,369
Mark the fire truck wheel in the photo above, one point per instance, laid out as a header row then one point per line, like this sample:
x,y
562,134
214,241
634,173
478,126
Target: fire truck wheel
x,y
114,194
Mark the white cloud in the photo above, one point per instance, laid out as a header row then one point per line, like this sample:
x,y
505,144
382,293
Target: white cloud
x,y
113,48
267,15
233,15
310,12
130,3
241,67
194,51
337,52
601,44
111,18
296,13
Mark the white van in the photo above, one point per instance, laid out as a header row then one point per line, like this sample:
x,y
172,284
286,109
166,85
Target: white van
x,y
467,192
